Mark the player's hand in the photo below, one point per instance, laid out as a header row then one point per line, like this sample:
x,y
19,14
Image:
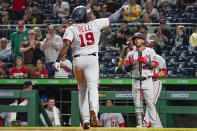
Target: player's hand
x,y
161,74
142,59
124,4
57,66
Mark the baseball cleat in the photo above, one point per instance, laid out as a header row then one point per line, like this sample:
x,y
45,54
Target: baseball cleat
x,y
95,121
86,125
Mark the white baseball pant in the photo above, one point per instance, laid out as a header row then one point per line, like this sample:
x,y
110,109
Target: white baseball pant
x,y
147,93
157,85
86,70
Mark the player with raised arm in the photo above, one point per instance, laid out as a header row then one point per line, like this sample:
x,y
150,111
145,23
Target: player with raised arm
x,y
142,85
159,72
83,36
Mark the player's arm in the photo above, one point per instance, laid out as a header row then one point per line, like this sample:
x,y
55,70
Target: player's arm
x,y
64,49
115,16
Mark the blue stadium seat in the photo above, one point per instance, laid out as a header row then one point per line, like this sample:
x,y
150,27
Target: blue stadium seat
x,y
179,73
190,54
170,65
181,48
181,59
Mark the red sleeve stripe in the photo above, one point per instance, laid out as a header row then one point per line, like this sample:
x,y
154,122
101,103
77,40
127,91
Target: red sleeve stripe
x,y
67,69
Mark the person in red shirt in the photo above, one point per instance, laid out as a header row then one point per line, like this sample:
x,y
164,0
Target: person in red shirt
x,y
18,9
19,71
40,71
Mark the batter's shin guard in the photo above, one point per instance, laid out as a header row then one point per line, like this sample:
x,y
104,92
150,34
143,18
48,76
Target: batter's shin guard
x,y
139,116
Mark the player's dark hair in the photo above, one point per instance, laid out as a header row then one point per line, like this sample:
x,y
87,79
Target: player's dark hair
x,y
51,98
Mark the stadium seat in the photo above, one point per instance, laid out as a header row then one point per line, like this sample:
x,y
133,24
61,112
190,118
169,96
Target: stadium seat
x,y
179,73
171,65
190,54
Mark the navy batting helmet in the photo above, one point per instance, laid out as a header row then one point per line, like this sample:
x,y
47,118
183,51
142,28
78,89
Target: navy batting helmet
x,y
79,12
138,35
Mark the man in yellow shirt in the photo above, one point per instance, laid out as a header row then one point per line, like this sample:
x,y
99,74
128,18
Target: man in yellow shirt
x,y
132,11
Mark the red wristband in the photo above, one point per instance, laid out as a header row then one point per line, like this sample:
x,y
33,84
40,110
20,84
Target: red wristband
x,y
155,75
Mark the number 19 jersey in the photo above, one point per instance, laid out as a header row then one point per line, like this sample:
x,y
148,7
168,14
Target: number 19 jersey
x,y
85,36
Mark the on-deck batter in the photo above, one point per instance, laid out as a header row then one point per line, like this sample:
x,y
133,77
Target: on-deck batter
x,y
148,60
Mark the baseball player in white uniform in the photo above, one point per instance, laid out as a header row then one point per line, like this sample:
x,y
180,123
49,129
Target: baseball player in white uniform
x,y
83,38
111,119
142,85
158,73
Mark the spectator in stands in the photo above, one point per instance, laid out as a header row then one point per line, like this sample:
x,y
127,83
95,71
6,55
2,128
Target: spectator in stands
x,y
18,9
28,16
132,11
37,16
40,71
77,3
181,38
146,19
4,7
104,13
93,15
38,34
29,3
65,68
144,30
53,113
163,34
127,48
2,69
61,9
188,4
27,49
5,19
121,35
38,53
166,4
150,10
112,6
193,38
51,47
162,16
19,71
111,119
5,53
17,38
107,37
157,47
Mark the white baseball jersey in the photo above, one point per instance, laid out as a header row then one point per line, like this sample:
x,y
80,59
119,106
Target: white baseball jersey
x,y
157,85
84,36
161,63
149,54
61,73
111,119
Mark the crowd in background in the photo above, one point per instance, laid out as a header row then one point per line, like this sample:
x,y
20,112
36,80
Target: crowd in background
x,y
34,51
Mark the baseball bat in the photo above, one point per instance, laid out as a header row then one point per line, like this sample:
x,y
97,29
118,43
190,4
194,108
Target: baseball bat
x,y
140,71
